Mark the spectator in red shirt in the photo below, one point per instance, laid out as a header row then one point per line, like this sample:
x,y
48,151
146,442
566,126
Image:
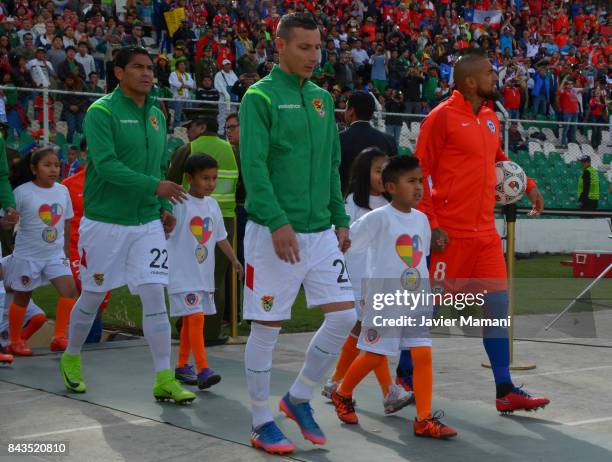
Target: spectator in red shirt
x,y
369,28
512,98
561,38
560,21
597,115
208,39
222,19
224,50
569,106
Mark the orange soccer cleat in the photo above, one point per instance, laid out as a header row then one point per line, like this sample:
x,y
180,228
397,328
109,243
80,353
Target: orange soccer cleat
x,y
59,344
433,428
344,408
19,348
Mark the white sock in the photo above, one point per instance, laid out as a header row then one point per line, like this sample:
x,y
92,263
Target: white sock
x,y
322,353
155,324
258,366
81,318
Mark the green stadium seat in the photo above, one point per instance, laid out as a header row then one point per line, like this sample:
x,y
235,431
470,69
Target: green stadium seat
x,y
12,141
76,139
59,138
404,151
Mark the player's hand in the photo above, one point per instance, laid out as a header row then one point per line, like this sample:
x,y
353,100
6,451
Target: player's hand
x,y
343,239
439,239
537,201
239,269
285,244
171,191
169,221
11,216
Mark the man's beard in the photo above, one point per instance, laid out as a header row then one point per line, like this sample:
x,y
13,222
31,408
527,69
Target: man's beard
x,y
493,94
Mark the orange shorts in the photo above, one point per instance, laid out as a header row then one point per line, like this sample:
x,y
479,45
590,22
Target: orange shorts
x,y
476,262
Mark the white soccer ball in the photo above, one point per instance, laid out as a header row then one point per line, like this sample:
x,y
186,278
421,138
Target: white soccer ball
x,y
511,182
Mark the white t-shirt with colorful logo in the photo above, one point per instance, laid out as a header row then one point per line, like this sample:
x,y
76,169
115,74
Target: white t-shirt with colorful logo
x,y
42,215
396,243
356,261
191,246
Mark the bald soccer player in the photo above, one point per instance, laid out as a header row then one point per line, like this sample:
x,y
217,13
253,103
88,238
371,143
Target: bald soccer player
x,y
458,146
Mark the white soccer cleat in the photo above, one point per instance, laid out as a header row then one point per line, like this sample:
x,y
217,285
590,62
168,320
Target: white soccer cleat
x,y
329,387
396,399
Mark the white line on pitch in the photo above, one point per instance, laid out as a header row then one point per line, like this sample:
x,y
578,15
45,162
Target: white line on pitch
x,y
589,421
563,371
21,390
82,429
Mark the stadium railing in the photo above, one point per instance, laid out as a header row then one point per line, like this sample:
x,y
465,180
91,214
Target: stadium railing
x,y
539,152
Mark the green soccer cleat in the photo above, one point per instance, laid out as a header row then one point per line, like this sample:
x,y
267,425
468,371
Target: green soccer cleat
x,y
70,367
167,388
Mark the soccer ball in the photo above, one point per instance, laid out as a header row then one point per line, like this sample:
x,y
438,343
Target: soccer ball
x,y
511,182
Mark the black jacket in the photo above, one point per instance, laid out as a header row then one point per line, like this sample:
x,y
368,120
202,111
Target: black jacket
x,y
356,138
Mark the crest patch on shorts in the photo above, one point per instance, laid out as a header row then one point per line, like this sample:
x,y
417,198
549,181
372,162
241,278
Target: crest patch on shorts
x,y
192,299
98,278
267,301
371,336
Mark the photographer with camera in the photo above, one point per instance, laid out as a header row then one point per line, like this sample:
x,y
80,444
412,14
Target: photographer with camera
x,y
393,123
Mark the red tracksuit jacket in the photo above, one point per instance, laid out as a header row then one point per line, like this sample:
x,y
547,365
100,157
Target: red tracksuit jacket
x,y
457,151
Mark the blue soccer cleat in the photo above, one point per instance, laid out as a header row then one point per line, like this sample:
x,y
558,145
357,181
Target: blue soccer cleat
x,y
302,414
270,438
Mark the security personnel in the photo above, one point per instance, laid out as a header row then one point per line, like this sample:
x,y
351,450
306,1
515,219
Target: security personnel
x,y
588,185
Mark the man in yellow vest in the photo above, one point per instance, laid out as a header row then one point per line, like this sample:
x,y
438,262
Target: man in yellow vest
x,y
225,194
588,185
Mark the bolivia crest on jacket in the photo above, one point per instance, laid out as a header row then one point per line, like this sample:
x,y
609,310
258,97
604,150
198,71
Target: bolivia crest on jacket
x,y
154,123
317,103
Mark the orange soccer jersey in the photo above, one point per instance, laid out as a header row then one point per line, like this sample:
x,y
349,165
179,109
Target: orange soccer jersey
x,y
457,150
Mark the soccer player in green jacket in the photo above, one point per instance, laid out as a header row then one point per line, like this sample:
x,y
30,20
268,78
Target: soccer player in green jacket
x,y
290,156
127,210
7,202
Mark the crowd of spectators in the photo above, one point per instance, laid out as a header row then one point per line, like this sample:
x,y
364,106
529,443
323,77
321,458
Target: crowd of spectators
x,y
552,57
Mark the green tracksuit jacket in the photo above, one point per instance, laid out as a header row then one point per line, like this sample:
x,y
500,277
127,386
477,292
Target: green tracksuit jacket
x,y
6,193
126,150
290,155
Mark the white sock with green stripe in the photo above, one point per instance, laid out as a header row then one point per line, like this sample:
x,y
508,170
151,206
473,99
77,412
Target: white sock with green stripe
x,y
155,324
322,353
258,367
81,319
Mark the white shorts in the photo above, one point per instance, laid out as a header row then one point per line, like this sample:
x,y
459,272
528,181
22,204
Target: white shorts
x,y
114,255
376,336
271,284
388,342
26,275
31,311
186,303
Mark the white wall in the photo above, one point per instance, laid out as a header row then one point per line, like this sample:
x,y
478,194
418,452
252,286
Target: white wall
x,y
560,235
